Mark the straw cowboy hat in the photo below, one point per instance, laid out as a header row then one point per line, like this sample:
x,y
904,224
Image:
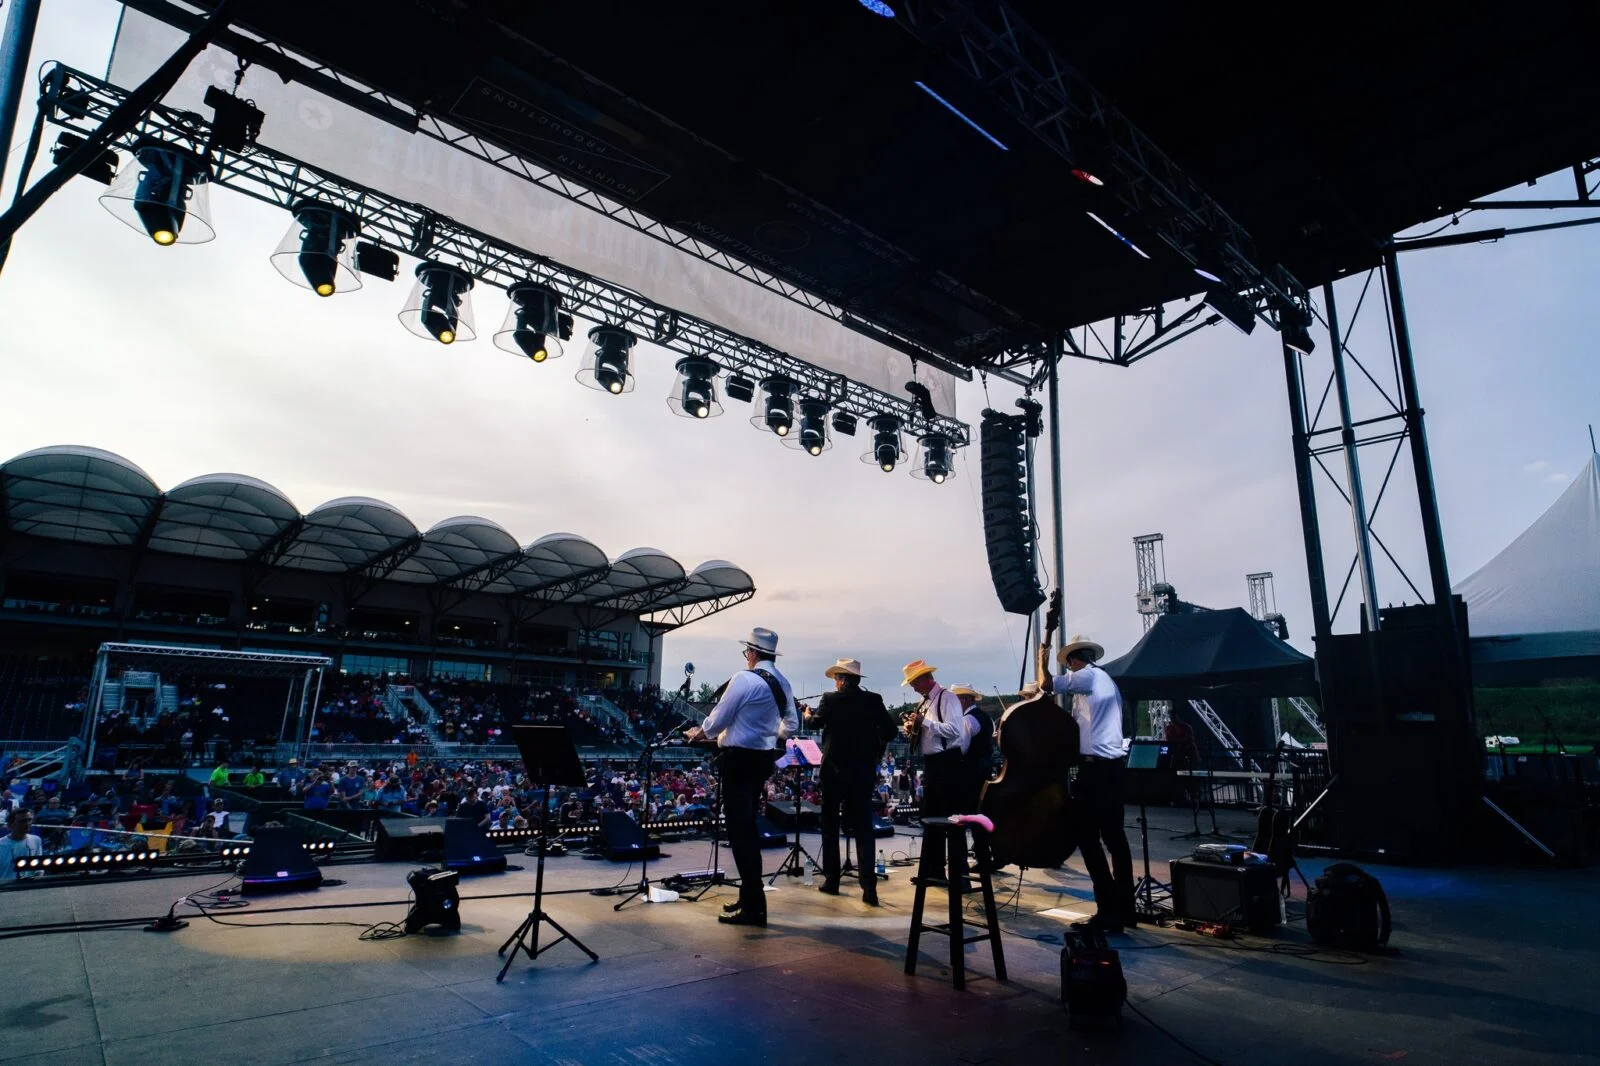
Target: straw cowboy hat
x,y
915,669
762,640
1078,643
844,667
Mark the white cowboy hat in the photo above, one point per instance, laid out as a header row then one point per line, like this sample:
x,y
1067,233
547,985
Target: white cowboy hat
x,y
1079,642
915,669
844,667
762,640
964,690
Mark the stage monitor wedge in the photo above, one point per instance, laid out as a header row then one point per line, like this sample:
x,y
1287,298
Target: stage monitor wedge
x,y
278,862
468,850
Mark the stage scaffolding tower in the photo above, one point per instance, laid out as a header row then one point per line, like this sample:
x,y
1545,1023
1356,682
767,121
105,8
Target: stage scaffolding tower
x,y
1150,560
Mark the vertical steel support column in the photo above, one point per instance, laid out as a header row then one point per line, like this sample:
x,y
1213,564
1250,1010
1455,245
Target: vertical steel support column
x,y
1422,469
1352,465
1310,532
316,699
1055,470
15,48
91,717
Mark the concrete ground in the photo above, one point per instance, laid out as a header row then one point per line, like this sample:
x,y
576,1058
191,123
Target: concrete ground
x,y
1493,965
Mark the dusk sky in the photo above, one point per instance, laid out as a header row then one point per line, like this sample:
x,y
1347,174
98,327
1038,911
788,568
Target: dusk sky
x,y
192,360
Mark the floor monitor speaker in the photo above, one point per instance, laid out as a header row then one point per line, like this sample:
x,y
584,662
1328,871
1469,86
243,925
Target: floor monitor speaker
x,y
278,862
409,839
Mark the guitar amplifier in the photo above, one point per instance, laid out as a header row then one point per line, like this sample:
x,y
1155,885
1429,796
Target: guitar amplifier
x,y
1235,895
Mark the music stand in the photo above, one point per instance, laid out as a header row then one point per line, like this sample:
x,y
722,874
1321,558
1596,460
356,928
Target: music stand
x,y
797,753
549,758
1144,757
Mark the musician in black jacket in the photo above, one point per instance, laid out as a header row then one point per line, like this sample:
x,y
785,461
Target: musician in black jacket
x,y
856,728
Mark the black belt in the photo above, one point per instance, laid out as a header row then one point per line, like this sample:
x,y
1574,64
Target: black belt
x,y
1101,758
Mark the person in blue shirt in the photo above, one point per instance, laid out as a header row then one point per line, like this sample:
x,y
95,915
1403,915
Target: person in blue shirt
x,y
317,793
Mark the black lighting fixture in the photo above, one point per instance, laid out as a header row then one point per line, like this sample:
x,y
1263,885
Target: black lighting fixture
x,y
812,437
738,387
885,451
440,307
935,460
844,423
1235,310
777,412
164,194
605,367
535,325
695,394
319,250
1294,322
104,167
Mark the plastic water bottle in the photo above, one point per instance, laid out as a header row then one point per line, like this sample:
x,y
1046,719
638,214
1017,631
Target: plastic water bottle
x,y
811,873
883,865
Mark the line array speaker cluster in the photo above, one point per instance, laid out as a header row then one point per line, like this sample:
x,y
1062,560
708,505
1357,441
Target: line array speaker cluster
x,y
1007,521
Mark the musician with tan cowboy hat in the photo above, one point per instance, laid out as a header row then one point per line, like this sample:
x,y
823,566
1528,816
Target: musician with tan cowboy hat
x,y
979,746
756,711
938,731
856,728
1097,792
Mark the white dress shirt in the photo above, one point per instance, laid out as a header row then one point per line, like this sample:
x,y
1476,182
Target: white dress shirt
x,y
944,726
12,850
747,716
1097,706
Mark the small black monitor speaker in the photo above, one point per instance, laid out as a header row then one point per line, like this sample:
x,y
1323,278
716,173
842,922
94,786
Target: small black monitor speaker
x,y
278,862
438,904
771,836
623,841
468,850
409,839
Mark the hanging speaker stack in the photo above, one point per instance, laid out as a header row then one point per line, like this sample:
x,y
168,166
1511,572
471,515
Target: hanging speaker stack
x,y
1007,522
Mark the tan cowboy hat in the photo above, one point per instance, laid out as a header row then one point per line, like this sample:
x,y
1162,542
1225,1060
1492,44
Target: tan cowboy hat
x,y
1079,642
964,690
844,667
915,669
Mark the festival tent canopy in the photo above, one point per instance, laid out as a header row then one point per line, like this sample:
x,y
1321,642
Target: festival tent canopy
x,y
1205,653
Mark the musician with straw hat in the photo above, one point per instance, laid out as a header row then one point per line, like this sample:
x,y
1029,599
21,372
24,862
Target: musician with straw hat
x,y
979,744
856,728
938,731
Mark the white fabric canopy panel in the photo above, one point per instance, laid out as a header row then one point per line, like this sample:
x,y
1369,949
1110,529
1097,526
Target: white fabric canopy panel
x,y
221,516
71,492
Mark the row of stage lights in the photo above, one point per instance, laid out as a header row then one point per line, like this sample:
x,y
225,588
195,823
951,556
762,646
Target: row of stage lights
x,y
107,859
165,195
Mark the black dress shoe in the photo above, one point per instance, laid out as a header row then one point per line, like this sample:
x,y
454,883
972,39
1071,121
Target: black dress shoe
x,y
759,921
832,890
1099,924
732,908
870,899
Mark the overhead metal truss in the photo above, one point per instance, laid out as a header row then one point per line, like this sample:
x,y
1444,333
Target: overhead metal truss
x,y
670,618
80,103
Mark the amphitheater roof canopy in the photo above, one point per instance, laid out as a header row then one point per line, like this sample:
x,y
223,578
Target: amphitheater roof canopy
x,y
90,496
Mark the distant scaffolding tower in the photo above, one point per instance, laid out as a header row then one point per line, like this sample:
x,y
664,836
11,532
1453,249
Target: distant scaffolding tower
x,y
1150,558
1263,601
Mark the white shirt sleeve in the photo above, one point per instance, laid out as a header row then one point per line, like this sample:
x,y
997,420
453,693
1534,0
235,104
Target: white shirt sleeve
x,y
945,720
1076,683
727,708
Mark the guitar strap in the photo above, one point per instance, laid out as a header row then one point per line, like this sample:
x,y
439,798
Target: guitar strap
x,y
778,697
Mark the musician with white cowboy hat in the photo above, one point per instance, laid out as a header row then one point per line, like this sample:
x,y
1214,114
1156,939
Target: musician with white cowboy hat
x,y
856,728
1102,767
938,731
756,711
979,754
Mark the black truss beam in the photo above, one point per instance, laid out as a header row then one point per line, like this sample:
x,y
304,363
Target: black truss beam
x,y
671,618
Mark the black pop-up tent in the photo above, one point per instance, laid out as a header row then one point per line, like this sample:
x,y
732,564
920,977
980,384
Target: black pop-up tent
x,y
1206,654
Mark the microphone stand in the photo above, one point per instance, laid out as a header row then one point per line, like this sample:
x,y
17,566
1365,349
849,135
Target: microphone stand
x,y
642,889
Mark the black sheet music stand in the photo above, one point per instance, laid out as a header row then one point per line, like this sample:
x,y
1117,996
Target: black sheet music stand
x,y
549,759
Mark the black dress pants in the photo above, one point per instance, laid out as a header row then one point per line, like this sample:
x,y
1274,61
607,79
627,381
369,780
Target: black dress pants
x,y
744,777
944,787
1097,803
850,789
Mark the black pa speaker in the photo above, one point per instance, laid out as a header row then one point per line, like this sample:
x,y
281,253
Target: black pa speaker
x,y
623,841
1007,522
468,850
278,862
409,839
771,836
437,903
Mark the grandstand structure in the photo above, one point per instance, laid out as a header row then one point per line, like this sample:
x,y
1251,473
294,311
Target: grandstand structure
x,y
93,551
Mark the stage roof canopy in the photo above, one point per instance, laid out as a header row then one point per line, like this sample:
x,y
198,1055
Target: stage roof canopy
x,y
90,496
1226,652
847,155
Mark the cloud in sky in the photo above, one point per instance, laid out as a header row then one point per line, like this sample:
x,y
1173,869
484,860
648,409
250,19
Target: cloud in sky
x,y
196,359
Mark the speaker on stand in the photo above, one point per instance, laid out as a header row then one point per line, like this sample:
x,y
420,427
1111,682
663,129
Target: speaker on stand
x,y
1007,520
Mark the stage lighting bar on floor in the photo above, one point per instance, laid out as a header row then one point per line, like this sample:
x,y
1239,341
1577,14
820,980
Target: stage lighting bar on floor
x,y
80,103
123,860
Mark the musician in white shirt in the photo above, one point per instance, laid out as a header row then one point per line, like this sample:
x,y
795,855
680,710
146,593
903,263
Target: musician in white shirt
x,y
937,729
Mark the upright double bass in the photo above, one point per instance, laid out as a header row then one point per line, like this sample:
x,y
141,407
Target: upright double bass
x,y
1028,800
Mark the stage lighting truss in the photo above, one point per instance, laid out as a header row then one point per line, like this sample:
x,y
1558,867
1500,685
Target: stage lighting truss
x,y
126,860
812,436
535,326
79,103
163,194
935,459
777,409
605,366
319,250
885,450
695,394
440,305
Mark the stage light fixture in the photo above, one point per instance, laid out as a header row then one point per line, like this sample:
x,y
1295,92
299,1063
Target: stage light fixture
x,y
1109,228
844,423
440,307
1088,177
534,325
935,464
319,250
695,395
878,7
1295,325
1207,275
812,437
778,410
104,167
1235,310
738,387
165,195
605,367
885,450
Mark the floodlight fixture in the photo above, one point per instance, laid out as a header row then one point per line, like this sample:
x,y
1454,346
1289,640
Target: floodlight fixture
x,y
885,451
778,410
844,423
1294,322
812,437
935,464
1234,309
319,250
605,367
440,307
534,325
695,394
738,387
164,194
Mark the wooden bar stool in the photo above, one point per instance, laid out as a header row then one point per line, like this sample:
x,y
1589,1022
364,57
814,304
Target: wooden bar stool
x,y
956,883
